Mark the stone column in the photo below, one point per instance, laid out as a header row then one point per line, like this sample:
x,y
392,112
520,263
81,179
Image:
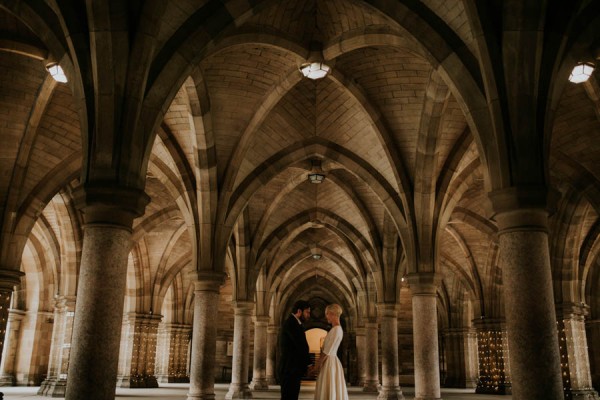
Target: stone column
x,y
361,350
423,287
9,278
172,353
390,368
259,374
572,344
55,383
371,357
9,354
137,358
204,337
593,335
461,358
528,294
108,216
238,389
493,351
272,333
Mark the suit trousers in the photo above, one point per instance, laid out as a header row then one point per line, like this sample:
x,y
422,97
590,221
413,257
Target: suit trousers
x,y
290,386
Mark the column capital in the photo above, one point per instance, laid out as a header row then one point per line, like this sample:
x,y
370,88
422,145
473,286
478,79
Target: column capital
x,y
10,278
243,307
208,281
495,324
387,310
571,310
111,204
371,322
360,331
523,207
261,320
424,283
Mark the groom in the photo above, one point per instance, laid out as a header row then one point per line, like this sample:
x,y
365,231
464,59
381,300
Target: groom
x,y
293,347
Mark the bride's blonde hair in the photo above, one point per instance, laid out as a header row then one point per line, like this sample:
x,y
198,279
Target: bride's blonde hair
x,y
335,309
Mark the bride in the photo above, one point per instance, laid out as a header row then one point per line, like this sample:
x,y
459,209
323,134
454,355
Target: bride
x,y
331,384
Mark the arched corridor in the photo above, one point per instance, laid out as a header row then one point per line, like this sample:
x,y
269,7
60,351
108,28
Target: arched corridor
x,y
173,177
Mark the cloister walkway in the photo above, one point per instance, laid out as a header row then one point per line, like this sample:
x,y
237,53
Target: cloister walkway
x,y
179,392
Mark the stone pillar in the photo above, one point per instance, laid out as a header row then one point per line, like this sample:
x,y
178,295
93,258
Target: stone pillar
x,y
108,217
204,337
593,335
238,389
259,374
9,354
9,278
137,358
493,349
172,353
361,350
390,368
423,287
272,333
528,293
572,344
55,384
461,358
371,357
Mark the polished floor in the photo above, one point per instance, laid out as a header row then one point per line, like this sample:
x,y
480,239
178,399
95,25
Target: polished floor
x,y
179,392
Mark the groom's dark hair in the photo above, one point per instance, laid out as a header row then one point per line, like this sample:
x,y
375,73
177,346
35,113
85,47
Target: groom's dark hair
x,y
300,305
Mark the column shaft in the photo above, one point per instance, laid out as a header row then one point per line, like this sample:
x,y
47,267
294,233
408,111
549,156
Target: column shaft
x,y
272,332
259,375
361,350
372,360
461,358
529,305
427,366
138,351
238,389
572,343
390,388
493,349
9,355
172,353
593,335
204,338
55,383
99,310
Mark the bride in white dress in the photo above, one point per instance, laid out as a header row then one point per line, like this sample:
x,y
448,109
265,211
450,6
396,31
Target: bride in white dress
x,y
331,384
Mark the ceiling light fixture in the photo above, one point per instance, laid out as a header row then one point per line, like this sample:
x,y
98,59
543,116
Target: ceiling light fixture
x,y
316,178
57,72
316,256
581,72
315,70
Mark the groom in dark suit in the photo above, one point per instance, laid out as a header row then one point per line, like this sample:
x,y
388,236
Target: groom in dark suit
x,y
293,348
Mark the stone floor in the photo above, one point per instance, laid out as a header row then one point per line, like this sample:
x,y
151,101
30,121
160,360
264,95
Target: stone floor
x,y
179,392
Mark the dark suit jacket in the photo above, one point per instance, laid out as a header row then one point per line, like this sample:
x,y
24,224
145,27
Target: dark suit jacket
x,y
293,349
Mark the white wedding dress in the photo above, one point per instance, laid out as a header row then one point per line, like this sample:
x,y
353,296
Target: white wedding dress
x,y
331,384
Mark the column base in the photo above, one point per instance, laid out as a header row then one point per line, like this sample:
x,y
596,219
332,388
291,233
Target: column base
x,y
8,380
585,394
201,396
137,382
390,393
172,379
502,390
259,384
371,387
238,391
53,388
271,380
